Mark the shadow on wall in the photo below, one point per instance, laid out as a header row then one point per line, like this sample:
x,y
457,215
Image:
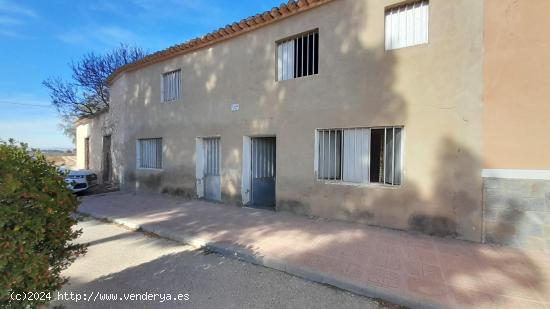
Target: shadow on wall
x,y
452,208
347,103
99,127
472,274
139,114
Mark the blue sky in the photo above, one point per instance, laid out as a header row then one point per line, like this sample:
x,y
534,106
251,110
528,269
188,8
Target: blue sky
x,y
38,38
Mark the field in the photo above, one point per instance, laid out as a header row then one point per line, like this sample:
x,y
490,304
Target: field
x,y
63,160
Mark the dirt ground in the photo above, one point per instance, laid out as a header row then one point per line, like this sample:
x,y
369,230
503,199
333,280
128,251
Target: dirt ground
x,y
100,189
62,160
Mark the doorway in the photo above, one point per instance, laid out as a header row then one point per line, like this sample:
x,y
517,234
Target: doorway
x,y
263,172
107,162
87,153
208,168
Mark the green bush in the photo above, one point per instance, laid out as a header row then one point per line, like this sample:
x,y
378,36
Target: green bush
x,y
35,225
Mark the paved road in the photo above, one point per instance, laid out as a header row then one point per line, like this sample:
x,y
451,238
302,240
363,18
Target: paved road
x,y
121,261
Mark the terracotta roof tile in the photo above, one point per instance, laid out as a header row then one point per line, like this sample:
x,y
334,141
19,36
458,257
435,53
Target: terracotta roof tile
x,y
245,25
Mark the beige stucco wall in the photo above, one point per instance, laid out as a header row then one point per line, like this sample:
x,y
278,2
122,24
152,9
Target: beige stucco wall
x,y
82,132
94,129
517,71
434,90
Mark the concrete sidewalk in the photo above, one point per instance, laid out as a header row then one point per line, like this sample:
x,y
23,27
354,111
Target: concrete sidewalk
x,y
412,270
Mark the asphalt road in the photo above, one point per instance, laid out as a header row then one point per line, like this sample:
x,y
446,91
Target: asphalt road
x,y
125,264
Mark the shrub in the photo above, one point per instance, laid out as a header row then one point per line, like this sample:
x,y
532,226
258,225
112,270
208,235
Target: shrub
x,y
35,225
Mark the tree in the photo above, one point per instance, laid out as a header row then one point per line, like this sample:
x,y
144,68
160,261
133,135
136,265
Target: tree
x,y
67,126
87,93
36,226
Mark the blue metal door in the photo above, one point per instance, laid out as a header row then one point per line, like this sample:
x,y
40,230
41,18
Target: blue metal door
x,y
263,172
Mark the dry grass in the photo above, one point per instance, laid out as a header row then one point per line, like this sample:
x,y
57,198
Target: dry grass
x,y
68,161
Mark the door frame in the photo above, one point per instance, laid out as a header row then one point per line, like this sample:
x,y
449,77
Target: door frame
x,y
246,177
87,153
200,163
107,160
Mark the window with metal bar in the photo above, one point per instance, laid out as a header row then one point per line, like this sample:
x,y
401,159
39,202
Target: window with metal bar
x,y
360,155
407,24
171,86
385,155
149,153
298,56
330,150
212,156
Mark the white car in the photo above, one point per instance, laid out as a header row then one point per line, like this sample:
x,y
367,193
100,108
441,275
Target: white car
x,y
81,180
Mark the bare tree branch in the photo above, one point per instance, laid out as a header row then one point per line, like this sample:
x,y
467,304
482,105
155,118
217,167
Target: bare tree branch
x,y
87,93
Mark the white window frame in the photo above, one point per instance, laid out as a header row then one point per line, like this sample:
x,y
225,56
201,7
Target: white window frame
x,y
367,182
407,24
178,89
285,60
139,164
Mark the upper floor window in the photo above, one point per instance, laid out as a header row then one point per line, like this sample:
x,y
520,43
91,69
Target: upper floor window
x,y
360,155
298,56
407,24
171,86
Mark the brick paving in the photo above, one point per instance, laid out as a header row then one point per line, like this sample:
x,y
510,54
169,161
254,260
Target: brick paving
x,y
415,270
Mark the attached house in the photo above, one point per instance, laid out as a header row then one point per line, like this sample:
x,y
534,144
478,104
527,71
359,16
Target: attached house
x,y
425,115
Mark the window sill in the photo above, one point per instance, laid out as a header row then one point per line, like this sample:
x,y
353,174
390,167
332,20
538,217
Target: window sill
x,y
411,47
297,78
172,102
148,169
361,185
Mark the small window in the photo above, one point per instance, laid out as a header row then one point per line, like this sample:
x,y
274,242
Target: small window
x,y
407,24
149,153
298,56
171,86
360,155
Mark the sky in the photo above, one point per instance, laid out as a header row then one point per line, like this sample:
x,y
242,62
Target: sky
x,y
39,38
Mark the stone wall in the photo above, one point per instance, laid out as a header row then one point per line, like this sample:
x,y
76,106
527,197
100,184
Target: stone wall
x,y
516,212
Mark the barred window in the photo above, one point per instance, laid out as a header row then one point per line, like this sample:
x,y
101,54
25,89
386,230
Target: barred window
x,y
149,153
360,155
298,56
171,86
407,24
212,156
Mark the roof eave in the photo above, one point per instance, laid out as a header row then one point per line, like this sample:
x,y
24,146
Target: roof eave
x,y
228,32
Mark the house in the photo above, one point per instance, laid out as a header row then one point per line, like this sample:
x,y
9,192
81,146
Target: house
x,y
426,115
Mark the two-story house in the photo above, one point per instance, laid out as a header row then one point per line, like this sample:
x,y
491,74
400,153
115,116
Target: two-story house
x,y
425,115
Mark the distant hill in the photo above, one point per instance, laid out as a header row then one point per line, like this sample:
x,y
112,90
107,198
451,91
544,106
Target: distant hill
x,y
58,152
